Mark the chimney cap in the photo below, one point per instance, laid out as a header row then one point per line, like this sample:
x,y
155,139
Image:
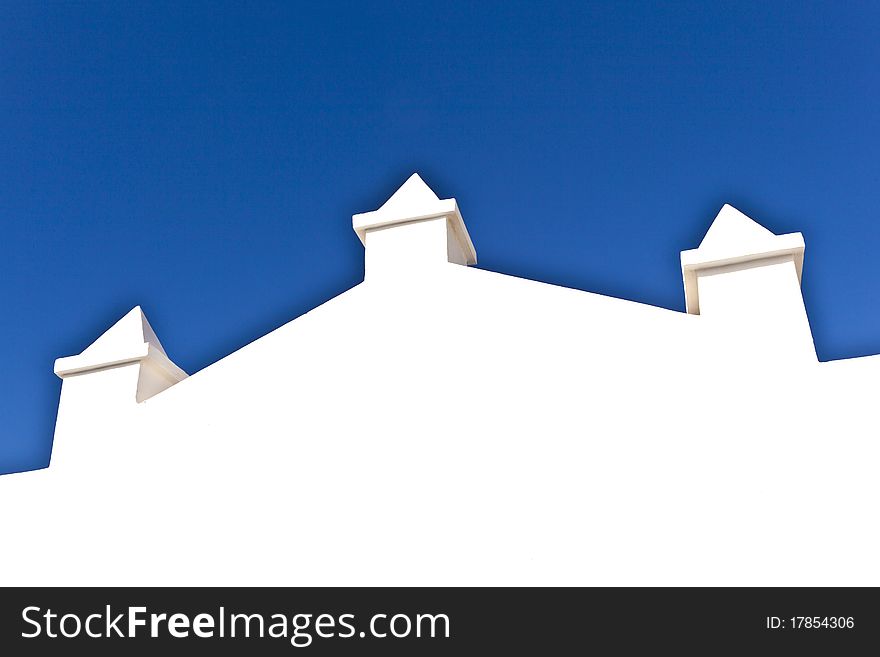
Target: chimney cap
x,y
130,340
734,238
415,201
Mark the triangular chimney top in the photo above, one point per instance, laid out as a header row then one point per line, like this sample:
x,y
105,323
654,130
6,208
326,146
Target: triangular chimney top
x,y
133,330
735,238
411,197
129,340
415,201
734,230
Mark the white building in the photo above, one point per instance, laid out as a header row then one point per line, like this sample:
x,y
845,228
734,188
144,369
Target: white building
x,y
440,424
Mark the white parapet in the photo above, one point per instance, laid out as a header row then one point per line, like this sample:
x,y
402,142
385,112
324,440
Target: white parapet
x,y
465,427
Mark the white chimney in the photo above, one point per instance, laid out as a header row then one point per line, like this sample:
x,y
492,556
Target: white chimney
x,y
747,278
126,363
413,231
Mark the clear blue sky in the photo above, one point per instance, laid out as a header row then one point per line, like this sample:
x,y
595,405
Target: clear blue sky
x,y
204,160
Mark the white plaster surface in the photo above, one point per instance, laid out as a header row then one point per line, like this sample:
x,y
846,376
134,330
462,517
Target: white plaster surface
x,y
440,424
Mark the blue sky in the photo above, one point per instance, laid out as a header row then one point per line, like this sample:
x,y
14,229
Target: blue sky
x,y
204,160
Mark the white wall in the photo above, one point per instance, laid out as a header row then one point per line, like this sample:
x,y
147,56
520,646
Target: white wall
x,y
442,424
